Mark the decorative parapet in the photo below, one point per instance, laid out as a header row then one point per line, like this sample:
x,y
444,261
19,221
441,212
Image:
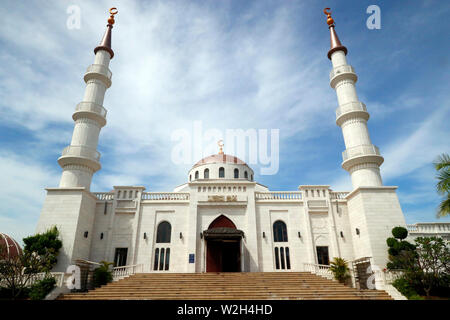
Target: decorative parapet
x,y
81,151
350,110
338,195
429,228
279,196
161,196
104,196
99,72
361,150
221,188
342,73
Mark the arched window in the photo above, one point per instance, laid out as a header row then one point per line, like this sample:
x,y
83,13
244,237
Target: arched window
x,y
236,173
190,177
163,232
251,178
206,174
279,231
196,175
245,175
221,172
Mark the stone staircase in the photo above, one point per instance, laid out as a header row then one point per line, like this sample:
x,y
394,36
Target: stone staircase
x,y
226,286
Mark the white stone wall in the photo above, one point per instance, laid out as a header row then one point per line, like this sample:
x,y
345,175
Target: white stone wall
x,y
72,212
318,217
375,211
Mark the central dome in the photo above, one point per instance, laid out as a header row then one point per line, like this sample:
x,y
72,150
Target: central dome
x,y
220,166
219,158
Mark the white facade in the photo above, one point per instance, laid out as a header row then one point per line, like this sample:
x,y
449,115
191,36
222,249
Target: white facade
x,y
122,225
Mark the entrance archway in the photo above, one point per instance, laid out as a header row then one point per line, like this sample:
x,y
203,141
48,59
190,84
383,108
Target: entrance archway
x,y
223,244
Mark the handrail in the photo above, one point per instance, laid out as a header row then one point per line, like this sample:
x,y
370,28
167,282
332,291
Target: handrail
x,y
125,271
319,269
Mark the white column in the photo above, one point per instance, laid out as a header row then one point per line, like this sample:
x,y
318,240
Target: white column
x,y
361,158
81,159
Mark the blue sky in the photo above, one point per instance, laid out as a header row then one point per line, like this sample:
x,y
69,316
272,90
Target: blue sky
x,y
229,64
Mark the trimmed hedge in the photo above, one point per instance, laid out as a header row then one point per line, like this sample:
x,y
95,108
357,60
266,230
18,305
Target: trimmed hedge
x,y
42,288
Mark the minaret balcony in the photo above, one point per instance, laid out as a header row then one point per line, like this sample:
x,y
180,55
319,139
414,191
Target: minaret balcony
x,y
81,155
351,110
99,72
90,110
361,154
340,73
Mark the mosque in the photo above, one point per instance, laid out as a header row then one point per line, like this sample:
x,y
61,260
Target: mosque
x,y
221,219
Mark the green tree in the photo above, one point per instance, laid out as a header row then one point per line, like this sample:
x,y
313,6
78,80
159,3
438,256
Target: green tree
x,y
46,245
17,272
433,262
401,252
38,256
442,165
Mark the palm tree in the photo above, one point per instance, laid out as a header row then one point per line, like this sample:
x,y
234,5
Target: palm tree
x,y
442,165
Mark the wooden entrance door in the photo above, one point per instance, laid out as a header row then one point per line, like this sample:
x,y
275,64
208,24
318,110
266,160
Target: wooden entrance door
x,y
223,256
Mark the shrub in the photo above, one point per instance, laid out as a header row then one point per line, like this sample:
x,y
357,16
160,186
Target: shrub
x,y
42,288
401,252
102,275
400,233
340,269
406,288
46,245
391,242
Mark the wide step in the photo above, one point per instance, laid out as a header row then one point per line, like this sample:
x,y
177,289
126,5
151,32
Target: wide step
x,y
226,286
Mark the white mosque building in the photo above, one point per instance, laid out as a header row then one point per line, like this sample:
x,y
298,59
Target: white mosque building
x,y
221,219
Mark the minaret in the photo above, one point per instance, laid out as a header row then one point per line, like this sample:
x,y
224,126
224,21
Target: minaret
x,y
372,209
81,159
71,207
361,158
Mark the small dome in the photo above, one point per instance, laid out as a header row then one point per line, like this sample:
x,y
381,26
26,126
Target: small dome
x,y
219,158
9,247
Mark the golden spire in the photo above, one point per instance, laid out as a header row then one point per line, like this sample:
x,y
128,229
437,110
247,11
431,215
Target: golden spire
x,y
335,43
112,11
330,20
105,44
220,144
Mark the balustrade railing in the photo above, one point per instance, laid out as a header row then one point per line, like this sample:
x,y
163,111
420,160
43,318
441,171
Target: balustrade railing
x,y
81,151
319,269
362,150
58,276
429,228
91,107
341,69
104,196
350,106
165,196
339,195
279,195
99,68
125,271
